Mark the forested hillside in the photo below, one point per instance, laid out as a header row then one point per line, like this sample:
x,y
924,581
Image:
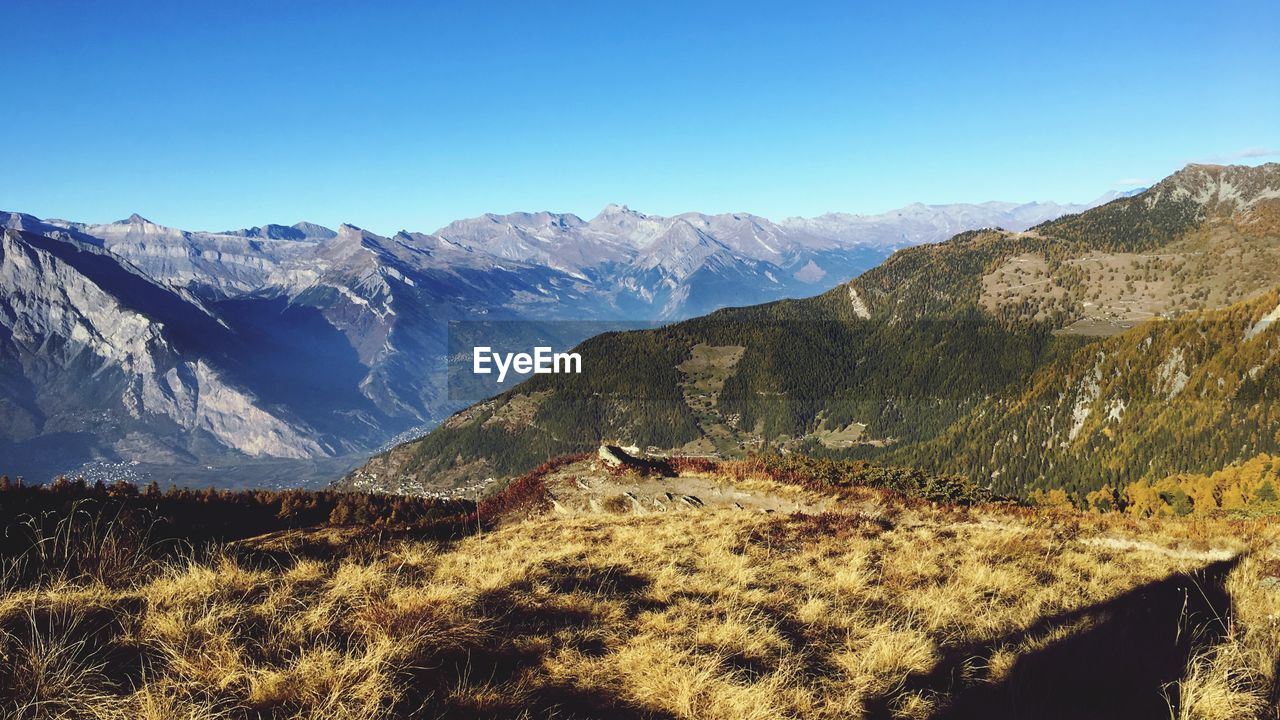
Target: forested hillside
x,y
1189,395
806,371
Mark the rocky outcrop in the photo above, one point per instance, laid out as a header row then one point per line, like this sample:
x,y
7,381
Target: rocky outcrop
x,y
612,457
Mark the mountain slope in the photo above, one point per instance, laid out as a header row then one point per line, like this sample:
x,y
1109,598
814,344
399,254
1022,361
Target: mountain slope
x,y
804,369
1201,238
890,360
1193,394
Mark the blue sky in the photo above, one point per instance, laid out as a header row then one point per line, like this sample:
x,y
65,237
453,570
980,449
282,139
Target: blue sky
x,y
407,115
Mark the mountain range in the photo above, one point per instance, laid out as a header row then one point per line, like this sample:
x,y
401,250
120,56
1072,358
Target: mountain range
x,y
1130,341
273,349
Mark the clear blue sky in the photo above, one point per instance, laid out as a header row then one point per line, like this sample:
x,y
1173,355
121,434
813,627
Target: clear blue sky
x,y
215,115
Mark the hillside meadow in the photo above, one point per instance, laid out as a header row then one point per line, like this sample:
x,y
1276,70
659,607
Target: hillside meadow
x,y
882,604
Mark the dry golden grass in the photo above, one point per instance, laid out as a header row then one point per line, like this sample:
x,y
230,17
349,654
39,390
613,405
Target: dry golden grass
x,y
882,609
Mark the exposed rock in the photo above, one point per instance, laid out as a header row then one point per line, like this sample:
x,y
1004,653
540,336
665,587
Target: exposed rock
x,y
69,307
612,456
859,307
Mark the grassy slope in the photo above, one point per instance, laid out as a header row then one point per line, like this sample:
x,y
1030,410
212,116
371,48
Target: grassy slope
x,y
882,605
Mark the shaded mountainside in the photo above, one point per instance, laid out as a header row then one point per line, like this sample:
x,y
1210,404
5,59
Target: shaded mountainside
x,y
907,355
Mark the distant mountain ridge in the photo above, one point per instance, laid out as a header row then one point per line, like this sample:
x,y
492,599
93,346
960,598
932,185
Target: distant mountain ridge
x,y
302,342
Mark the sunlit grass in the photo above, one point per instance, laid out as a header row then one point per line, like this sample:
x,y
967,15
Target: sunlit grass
x,y
695,614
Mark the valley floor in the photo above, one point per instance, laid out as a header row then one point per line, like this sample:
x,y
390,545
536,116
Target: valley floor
x,y
874,606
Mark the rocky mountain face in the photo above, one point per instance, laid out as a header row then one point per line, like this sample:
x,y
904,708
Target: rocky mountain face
x,y
992,334
93,349
212,264
139,343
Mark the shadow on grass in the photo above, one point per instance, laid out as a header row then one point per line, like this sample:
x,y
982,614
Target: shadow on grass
x,y
500,676
1273,698
1121,663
